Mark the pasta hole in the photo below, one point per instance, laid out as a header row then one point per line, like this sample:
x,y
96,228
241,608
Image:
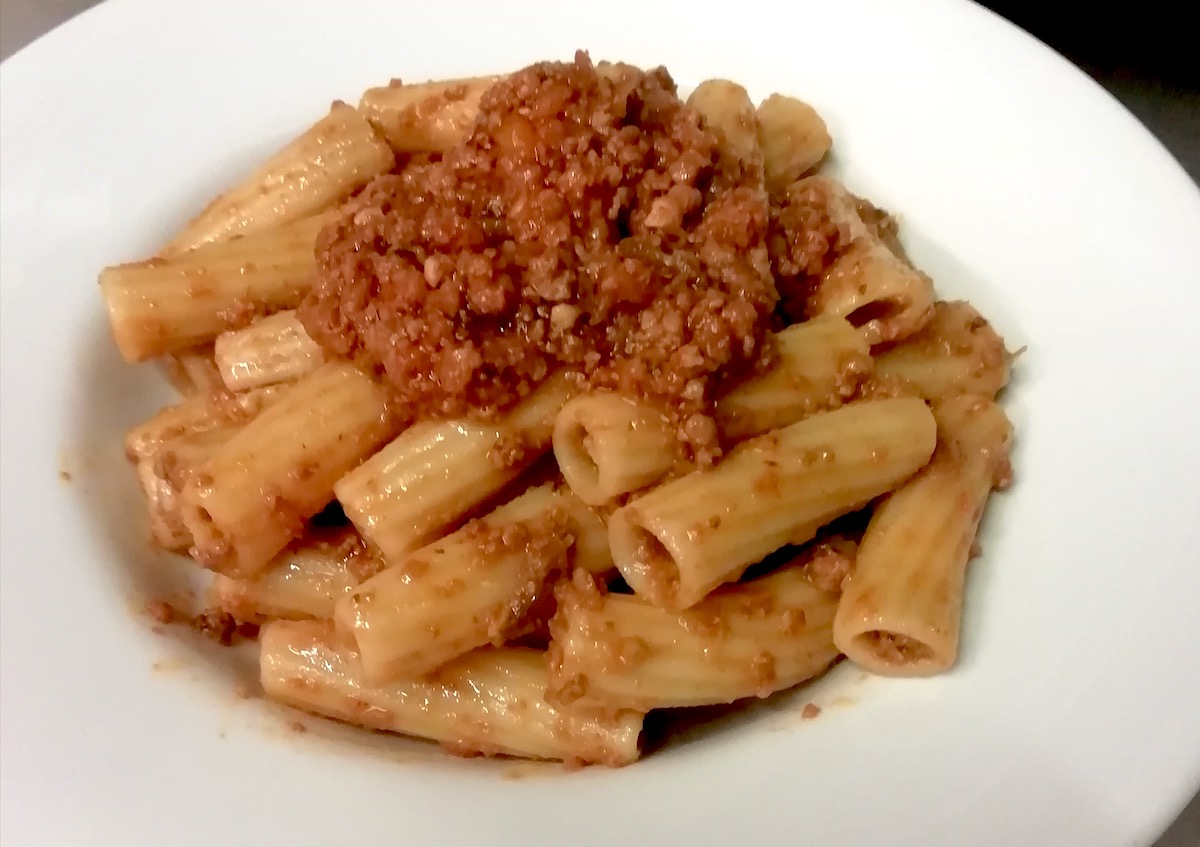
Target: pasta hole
x,y
582,472
587,447
879,311
895,649
655,563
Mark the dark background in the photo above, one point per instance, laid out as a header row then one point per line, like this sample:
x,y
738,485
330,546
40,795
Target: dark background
x,y
1146,53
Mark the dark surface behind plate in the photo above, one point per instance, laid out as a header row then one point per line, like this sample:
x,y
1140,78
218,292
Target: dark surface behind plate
x,y
1148,60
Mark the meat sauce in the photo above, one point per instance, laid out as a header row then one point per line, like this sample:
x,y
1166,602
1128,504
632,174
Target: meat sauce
x,y
588,222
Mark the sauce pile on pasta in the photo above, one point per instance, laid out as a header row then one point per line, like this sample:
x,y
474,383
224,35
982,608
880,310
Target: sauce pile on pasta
x,y
588,221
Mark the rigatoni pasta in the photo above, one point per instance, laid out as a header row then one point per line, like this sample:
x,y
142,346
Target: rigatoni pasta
x,y
958,352
608,445
426,116
165,305
436,472
196,415
466,590
338,154
902,607
680,541
748,640
271,350
793,138
489,702
875,290
517,407
303,582
163,474
191,371
725,106
849,266
254,494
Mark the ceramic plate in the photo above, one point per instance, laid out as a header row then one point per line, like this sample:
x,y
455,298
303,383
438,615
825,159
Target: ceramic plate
x,y
1071,716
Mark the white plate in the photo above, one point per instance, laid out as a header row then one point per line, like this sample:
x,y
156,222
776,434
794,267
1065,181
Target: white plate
x,y
1072,716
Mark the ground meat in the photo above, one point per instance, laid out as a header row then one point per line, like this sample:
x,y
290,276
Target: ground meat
x,y
804,236
810,226
828,561
241,313
896,649
217,624
584,222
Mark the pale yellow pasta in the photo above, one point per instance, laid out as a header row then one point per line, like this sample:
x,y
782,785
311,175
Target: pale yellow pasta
x,y
590,551
196,415
606,445
876,291
748,640
901,611
793,137
192,371
728,111
163,305
164,508
427,116
303,582
435,472
821,363
489,702
255,493
463,591
870,282
338,154
958,352
165,471
834,201
681,540
271,350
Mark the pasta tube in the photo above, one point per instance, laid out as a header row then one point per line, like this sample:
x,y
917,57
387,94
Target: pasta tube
x,y
426,117
727,110
821,364
590,550
748,640
435,472
861,274
488,702
607,445
160,306
337,155
163,475
196,415
902,606
957,353
686,537
271,350
304,581
460,592
793,137
191,371
875,290
252,497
